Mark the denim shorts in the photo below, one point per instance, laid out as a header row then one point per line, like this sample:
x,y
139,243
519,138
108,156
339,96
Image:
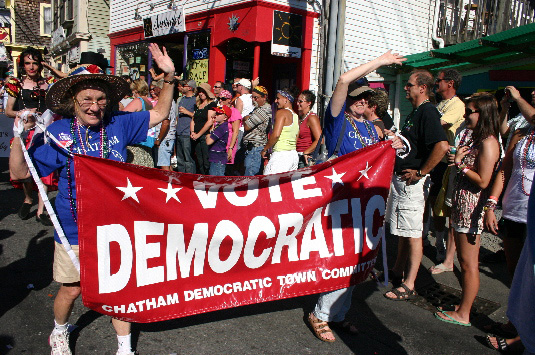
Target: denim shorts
x,y
165,151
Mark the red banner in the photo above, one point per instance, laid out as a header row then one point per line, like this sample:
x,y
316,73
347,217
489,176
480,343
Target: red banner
x,y
158,245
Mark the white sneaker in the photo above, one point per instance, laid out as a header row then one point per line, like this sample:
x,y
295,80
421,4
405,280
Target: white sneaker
x,y
59,342
125,353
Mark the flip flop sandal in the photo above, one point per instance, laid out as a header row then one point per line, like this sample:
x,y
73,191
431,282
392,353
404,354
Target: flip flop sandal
x,y
406,294
319,328
346,326
451,319
503,347
439,269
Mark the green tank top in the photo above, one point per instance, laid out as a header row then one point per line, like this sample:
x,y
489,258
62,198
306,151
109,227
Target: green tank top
x,y
288,137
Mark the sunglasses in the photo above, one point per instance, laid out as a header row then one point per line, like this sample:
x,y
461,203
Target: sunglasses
x,y
410,85
223,98
468,111
255,97
219,113
217,87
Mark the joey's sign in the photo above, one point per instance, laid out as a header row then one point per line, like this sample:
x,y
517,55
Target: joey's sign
x,y
157,245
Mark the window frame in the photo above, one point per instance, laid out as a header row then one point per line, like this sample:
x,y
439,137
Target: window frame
x,y
42,20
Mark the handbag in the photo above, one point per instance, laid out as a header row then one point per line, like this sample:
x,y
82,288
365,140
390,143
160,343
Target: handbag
x,y
321,154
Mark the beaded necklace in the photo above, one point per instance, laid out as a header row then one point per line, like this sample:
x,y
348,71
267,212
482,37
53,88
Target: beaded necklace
x,y
304,118
369,129
408,122
527,158
77,137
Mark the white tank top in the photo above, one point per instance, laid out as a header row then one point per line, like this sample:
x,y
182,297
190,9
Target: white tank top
x,y
515,201
248,106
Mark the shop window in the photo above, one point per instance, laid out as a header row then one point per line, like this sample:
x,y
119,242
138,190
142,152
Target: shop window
x,y
132,60
240,58
198,56
45,19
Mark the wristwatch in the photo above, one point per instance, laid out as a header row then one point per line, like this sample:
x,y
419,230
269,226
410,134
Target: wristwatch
x,y
419,173
172,82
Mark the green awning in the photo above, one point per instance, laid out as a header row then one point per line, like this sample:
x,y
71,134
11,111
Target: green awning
x,y
506,46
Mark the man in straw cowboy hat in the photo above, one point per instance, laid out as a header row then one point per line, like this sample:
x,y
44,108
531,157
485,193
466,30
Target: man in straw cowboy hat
x,y
85,98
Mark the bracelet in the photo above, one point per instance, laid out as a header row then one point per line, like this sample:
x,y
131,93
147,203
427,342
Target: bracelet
x,y
490,205
461,167
493,198
465,170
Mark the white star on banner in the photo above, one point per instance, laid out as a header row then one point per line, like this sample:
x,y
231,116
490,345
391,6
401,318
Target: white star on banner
x,y
170,192
129,191
335,177
364,172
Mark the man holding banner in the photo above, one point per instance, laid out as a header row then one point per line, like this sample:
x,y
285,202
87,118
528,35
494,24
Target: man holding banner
x,y
345,132
85,98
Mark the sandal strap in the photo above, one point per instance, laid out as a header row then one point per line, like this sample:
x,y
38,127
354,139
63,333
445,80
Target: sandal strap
x,y
502,344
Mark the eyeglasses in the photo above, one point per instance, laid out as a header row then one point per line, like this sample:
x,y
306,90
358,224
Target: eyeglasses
x,y
468,111
85,104
410,85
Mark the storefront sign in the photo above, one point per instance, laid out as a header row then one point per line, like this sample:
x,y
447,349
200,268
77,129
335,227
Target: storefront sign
x,y
6,133
73,55
287,34
4,35
58,36
163,24
238,65
198,70
166,245
200,53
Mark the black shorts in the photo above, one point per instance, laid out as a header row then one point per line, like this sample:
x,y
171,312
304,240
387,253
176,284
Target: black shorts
x,y
514,230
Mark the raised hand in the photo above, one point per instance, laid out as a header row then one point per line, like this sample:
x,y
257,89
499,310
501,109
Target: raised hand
x,y
390,58
164,62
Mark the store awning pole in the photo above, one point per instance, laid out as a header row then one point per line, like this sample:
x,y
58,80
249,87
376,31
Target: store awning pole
x,y
185,56
256,64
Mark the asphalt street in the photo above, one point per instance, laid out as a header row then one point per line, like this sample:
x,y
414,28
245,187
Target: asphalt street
x,y
387,327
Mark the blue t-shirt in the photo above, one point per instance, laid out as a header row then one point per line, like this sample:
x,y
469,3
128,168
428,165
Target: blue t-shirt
x,y
122,129
350,140
217,152
183,121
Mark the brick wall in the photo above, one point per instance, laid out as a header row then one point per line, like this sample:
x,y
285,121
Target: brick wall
x,y
27,23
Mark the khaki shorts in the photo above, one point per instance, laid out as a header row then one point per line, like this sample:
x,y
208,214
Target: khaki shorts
x,y
63,269
405,207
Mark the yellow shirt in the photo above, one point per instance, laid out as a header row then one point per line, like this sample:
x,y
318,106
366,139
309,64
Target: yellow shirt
x,y
452,111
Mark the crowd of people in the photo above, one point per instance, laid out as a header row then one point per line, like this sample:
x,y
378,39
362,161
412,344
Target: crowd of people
x,y
460,157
